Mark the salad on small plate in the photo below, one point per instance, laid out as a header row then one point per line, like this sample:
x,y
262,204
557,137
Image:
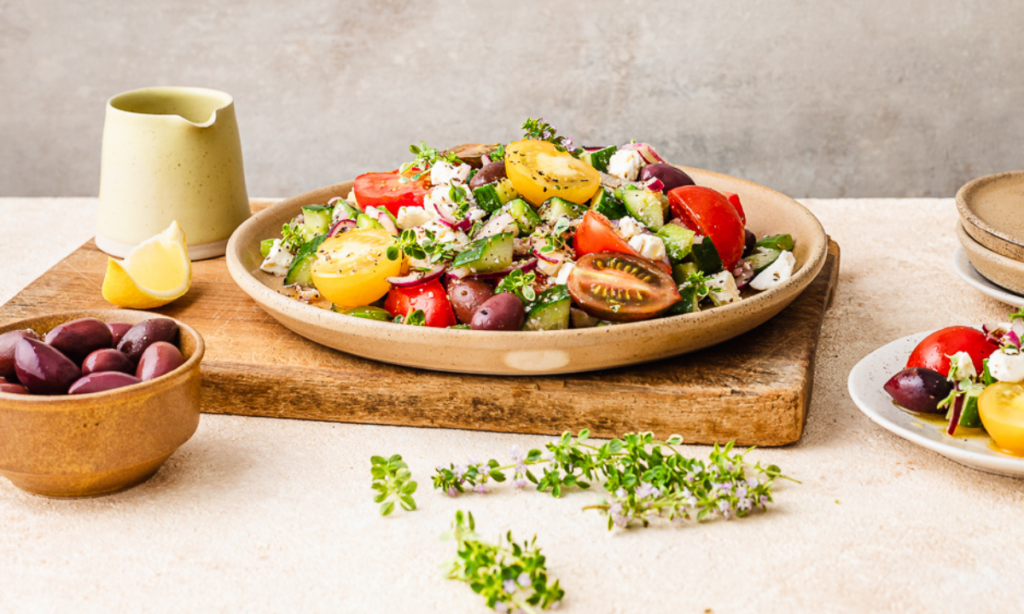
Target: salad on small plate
x,y
533,235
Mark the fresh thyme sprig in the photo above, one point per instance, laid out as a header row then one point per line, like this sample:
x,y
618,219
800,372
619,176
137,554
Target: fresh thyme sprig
x,y
457,194
292,237
518,283
426,157
700,283
416,318
540,130
510,576
393,482
555,238
429,248
647,478
407,243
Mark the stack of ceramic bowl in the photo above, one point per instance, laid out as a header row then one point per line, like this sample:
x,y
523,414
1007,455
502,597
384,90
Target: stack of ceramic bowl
x,y
991,230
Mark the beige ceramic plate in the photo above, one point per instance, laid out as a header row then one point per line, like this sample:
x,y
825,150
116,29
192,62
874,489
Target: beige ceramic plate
x,y
997,268
534,353
992,208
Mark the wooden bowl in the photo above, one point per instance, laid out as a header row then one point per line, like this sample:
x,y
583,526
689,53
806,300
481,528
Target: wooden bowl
x,y
998,269
93,444
992,210
534,353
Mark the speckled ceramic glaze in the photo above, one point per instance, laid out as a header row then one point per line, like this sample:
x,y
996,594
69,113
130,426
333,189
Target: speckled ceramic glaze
x,y
533,353
992,209
93,444
998,269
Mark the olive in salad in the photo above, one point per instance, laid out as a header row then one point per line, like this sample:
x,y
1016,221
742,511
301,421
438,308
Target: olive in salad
x,y
532,235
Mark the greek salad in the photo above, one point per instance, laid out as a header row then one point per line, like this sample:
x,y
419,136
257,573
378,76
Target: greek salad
x,y
534,235
970,379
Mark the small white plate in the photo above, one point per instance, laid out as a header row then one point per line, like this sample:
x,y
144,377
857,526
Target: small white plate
x,y
865,383
963,267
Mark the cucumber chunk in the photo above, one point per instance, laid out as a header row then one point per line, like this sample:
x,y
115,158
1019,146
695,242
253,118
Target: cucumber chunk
x,y
762,258
492,196
344,211
554,208
678,241
524,215
486,255
705,254
369,312
605,203
316,220
682,271
365,221
781,243
299,271
644,205
265,246
688,304
599,159
551,310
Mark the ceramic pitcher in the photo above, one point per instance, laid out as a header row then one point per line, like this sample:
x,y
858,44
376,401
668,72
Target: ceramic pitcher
x,y
171,154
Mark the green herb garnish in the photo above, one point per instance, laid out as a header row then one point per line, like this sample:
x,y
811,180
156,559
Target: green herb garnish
x,y
518,283
393,482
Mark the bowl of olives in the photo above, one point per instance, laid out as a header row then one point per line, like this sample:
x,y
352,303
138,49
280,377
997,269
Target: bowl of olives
x,y
93,402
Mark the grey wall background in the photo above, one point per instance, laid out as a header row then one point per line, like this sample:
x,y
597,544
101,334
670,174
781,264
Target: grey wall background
x,y
811,97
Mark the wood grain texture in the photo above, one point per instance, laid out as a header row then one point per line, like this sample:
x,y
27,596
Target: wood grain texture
x,y
754,389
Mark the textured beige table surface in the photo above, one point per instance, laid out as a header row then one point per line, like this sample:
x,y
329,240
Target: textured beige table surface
x,y
261,515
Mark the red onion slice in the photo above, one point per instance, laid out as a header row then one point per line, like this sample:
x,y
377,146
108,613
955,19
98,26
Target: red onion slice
x,y
545,257
743,273
958,408
646,152
415,278
655,185
341,226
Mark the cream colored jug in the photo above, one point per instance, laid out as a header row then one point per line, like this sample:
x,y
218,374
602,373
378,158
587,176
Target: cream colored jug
x,y
171,154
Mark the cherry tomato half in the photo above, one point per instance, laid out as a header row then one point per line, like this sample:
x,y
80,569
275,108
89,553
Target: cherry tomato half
x,y
735,200
430,298
387,190
934,350
596,234
538,170
709,213
621,287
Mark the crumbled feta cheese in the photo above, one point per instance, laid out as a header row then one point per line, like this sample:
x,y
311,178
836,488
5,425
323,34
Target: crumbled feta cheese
x,y
630,227
476,214
351,198
648,246
306,294
438,202
625,164
776,273
502,222
551,269
1006,367
521,247
444,234
563,273
727,290
961,366
444,173
411,217
278,260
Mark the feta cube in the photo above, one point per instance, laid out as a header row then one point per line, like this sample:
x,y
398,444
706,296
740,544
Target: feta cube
x,y
1006,367
727,292
776,273
278,260
625,164
411,217
648,246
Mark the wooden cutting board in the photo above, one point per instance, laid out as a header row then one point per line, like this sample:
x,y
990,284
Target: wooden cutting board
x,y
754,389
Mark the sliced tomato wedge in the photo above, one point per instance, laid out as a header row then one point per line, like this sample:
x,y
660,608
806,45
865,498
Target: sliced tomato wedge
x,y
621,287
735,200
430,298
596,234
387,190
709,213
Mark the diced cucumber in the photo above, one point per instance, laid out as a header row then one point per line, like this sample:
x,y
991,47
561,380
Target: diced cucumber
x,y
265,246
316,220
682,271
492,196
344,211
678,241
642,204
365,221
524,215
299,271
599,159
554,208
550,311
762,258
369,312
706,255
969,416
605,203
486,255
376,212
689,303
781,243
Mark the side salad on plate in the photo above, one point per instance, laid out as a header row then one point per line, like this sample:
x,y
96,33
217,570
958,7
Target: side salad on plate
x,y
534,235
971,379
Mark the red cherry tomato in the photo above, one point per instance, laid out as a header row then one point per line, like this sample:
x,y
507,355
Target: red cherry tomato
x,y
621,287
709,213
430,298
387,190
735,200
934,350
595,234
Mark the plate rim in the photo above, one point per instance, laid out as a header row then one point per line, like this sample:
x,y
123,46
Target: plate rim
x,y
964,269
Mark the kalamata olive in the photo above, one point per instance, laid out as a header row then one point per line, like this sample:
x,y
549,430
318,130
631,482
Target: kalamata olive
x,y
118,329
669,175
78,338
8,341
500,312
107,359
13,388
104,380
490,173
158,359
42,368
919,389
145,334
749,242
467,296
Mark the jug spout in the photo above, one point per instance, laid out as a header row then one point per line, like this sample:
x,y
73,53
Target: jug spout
x,y
195,105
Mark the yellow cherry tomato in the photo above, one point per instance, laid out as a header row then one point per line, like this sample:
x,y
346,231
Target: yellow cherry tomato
x,y
539,171
1001,406
350,270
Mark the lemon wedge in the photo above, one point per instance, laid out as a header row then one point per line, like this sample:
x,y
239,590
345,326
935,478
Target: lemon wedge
x,y
155,273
